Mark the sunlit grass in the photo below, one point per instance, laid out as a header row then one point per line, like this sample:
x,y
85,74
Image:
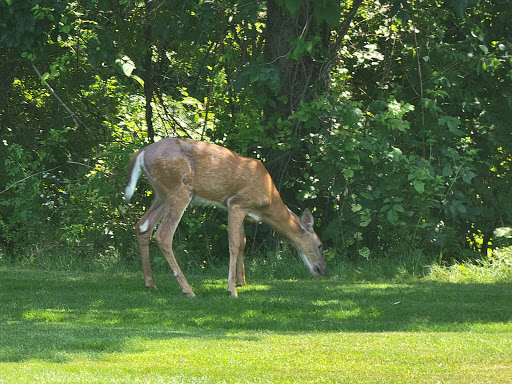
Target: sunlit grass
x,y
263,357
69,327
493,269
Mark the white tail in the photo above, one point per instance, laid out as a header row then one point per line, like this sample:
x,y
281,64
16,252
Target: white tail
x,y
181,170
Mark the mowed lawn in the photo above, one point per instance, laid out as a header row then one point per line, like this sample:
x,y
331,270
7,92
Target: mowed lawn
x,y
72,327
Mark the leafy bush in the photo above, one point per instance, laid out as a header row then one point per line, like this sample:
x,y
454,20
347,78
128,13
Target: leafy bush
x,y
391,122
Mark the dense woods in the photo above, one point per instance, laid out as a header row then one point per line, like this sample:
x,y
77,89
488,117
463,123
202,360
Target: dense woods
x,y
390,120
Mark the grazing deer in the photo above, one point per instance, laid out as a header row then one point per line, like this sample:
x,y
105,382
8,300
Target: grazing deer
x,y
182,170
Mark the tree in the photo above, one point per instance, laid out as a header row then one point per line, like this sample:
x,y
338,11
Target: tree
x,y
391,117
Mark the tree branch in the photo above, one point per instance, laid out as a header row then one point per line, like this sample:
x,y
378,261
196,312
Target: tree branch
x,y
72,114
109,174
28,177
335,47
95,168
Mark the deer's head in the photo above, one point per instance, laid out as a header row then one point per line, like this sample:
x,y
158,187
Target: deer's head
x,y
309,246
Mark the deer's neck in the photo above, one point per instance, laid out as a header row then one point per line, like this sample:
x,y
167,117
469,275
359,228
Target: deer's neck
x,y
281,219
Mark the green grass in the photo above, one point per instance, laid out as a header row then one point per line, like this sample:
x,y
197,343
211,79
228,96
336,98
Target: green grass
x,y
75,327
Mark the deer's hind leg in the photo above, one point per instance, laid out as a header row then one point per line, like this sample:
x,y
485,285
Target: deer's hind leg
x,y
164,236
174,183
144,230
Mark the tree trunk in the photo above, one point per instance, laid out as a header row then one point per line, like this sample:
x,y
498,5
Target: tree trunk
x,y
299,73
301,50
299,68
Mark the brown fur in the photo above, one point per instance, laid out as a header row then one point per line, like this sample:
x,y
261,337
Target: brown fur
x,y
180,170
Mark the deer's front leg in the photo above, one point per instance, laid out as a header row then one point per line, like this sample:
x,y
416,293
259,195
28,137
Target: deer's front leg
x,y
240,267
235,222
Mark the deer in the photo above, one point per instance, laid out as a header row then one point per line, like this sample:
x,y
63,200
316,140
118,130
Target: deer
x,y
182,171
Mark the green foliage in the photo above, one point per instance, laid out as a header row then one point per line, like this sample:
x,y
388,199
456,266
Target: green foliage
x,y
389,120
327,11
400,178
23,213
28,25
257,72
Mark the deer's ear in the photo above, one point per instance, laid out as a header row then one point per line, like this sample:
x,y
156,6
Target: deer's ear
x,y
307,221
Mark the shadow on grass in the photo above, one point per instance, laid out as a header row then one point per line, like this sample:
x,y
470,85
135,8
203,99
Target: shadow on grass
x,y
50,315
